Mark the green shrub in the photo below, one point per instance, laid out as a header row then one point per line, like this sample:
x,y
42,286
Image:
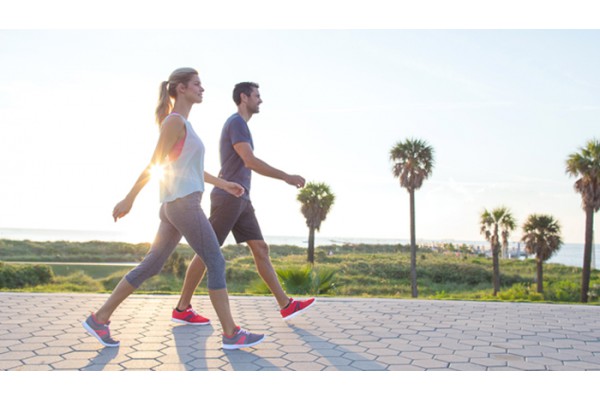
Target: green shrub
x,y
257,286
535,296
76,282
564,291
112,280
19,276
471,275
235,250
296,280
307,280
516,292
240,274
161,283
594,293
176,265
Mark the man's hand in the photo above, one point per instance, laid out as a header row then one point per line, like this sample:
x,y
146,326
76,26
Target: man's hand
x,y
295,180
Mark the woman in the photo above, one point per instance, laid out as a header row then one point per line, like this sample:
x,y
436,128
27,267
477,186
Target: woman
x,y
181,152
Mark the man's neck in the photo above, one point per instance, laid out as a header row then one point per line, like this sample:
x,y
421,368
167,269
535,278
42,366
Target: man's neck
x,y
244,113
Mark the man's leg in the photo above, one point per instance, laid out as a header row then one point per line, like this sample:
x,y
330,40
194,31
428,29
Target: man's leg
x,y
260,252
289,308
224,211
193,277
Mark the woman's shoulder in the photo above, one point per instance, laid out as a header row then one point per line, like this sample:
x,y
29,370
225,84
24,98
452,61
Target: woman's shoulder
x,y
173,125
178,117
174,120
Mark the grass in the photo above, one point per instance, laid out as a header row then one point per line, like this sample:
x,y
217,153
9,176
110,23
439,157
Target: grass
x,y
345,271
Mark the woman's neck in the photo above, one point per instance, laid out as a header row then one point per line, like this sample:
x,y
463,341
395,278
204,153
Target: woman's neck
x,y
182,108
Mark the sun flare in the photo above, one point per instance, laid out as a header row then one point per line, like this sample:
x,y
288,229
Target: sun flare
x,y
157,172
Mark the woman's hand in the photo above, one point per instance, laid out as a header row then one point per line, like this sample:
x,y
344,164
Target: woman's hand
x,y
122,208
234,189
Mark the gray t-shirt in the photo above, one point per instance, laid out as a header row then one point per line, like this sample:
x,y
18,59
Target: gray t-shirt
x,y
233,169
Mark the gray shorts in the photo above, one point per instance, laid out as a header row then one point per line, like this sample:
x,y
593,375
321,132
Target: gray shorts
x,y
182,217
233,214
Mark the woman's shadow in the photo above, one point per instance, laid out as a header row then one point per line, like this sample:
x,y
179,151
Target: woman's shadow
x,y
102,359
337,356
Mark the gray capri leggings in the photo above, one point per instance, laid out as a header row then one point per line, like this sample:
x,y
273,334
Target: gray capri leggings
x,y
182,217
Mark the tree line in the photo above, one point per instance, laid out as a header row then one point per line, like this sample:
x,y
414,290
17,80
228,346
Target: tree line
x,y
413,162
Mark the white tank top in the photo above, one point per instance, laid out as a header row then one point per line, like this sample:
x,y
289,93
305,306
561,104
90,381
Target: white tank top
x,y
185,174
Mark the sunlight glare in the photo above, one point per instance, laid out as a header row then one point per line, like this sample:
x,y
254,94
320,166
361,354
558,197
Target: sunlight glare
x,y
157,172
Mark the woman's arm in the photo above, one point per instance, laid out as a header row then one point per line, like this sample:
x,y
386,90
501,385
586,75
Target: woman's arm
x,y
171,131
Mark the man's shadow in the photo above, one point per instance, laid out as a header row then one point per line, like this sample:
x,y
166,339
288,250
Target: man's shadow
x,y
191,343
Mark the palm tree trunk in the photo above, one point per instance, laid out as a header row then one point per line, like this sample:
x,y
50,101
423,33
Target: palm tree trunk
x,y
413,246
496,267
311,245
587,253
540,276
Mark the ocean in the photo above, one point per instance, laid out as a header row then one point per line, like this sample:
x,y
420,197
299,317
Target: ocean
x,y
570,254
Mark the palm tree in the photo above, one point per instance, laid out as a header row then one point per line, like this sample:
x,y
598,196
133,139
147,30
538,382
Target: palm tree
x,y
493,224
413,163
585,166
542,238
316,199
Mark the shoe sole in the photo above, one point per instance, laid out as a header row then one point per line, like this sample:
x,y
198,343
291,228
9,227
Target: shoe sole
x,y
299,312
94,334
241,346
184,322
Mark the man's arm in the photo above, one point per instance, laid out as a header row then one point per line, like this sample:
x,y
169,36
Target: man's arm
x,y
257,165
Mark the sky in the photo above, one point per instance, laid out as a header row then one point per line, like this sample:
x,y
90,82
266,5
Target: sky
x,y
502,109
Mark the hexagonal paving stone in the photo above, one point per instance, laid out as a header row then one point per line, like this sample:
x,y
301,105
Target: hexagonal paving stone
x,y
382,352
137,355
489,362
337,361
27,347
141,364
296,357
6,365
74,365
305,366
272,362
16,355
430,364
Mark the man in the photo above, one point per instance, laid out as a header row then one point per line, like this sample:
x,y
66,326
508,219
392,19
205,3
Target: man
x,y
232,214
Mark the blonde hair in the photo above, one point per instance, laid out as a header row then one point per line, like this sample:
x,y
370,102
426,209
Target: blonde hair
x,y
168,91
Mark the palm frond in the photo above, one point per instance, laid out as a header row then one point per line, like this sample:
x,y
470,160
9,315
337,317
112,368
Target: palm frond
x,y
413,162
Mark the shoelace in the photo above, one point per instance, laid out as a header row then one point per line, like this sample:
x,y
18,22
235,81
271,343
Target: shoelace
x,y
243,332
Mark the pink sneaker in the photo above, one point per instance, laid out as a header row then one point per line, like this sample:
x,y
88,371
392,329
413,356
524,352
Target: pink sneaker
x,y
189,317
296,308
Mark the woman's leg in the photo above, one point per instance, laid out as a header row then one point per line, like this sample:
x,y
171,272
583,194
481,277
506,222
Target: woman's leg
x,y
118,295
164,243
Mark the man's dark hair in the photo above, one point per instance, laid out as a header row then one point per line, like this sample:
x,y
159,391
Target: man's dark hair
x,y
243,87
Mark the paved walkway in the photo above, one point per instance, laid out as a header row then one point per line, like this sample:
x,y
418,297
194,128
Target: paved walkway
x,y
44,332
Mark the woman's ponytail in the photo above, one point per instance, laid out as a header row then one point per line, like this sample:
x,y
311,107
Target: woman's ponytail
x,y
168,91
165,105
